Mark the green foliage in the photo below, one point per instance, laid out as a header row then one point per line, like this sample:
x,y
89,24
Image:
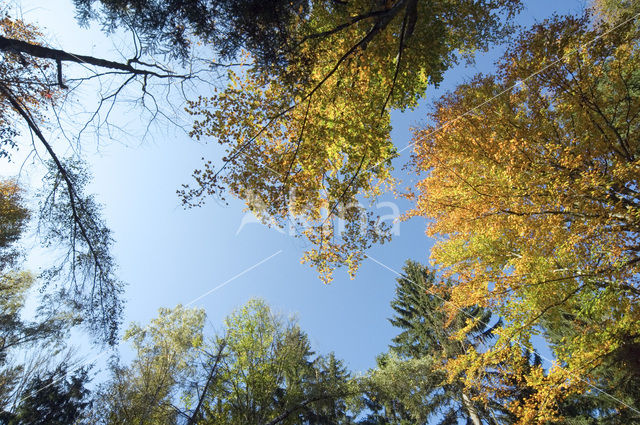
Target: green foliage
x,y
617,377
424,324
44,339
269,375
13,219
19,380
616,11
260,370
14,330
144,392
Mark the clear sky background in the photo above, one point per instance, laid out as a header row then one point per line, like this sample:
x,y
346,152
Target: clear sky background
x,y
168,255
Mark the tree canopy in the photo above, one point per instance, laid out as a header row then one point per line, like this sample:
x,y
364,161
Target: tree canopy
x,y
259,370
534,199
68,219
411,383
529,184
307,142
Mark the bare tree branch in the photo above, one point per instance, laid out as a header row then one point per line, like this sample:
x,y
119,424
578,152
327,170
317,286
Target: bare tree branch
x,y
38,51
63,172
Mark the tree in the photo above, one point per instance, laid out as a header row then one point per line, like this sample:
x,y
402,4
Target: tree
x,y
18,334
13,219
534,198
411,384
616,378
22,78
144,392
29,87
168,26
614,11
55,398
306,141
22,382
268,375
260,370
307,80
71,220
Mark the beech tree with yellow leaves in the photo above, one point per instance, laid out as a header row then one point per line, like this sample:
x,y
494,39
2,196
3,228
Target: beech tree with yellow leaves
x,y
535,203
306,142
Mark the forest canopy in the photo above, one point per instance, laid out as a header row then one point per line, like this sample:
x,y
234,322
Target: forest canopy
x,y
527,178
307,142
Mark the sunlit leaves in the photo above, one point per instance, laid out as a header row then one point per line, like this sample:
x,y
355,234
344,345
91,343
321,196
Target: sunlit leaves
x,y
13,220
534,196
166,354
307,142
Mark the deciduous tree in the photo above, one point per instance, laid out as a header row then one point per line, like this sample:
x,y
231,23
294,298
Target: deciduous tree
x,y
259,370
534,199
307,141
268,375
22,376
68,219
145,391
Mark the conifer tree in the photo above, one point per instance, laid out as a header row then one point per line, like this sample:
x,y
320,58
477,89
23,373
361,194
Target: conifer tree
x,y
411,383
52,398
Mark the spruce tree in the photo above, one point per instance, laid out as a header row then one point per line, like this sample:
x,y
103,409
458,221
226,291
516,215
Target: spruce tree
x,y
410,385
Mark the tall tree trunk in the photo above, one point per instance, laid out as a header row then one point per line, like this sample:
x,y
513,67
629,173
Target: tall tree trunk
x,y
471,410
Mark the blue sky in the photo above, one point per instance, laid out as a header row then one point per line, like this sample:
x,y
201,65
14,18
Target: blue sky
x,y
168,255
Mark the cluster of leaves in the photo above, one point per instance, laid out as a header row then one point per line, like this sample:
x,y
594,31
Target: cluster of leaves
x,y
14,217
615,11
416,381
308,141
260,370
144,391
534,202
169,26
23,77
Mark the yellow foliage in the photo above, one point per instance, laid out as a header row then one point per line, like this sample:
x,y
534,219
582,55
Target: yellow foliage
x,y
535,198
